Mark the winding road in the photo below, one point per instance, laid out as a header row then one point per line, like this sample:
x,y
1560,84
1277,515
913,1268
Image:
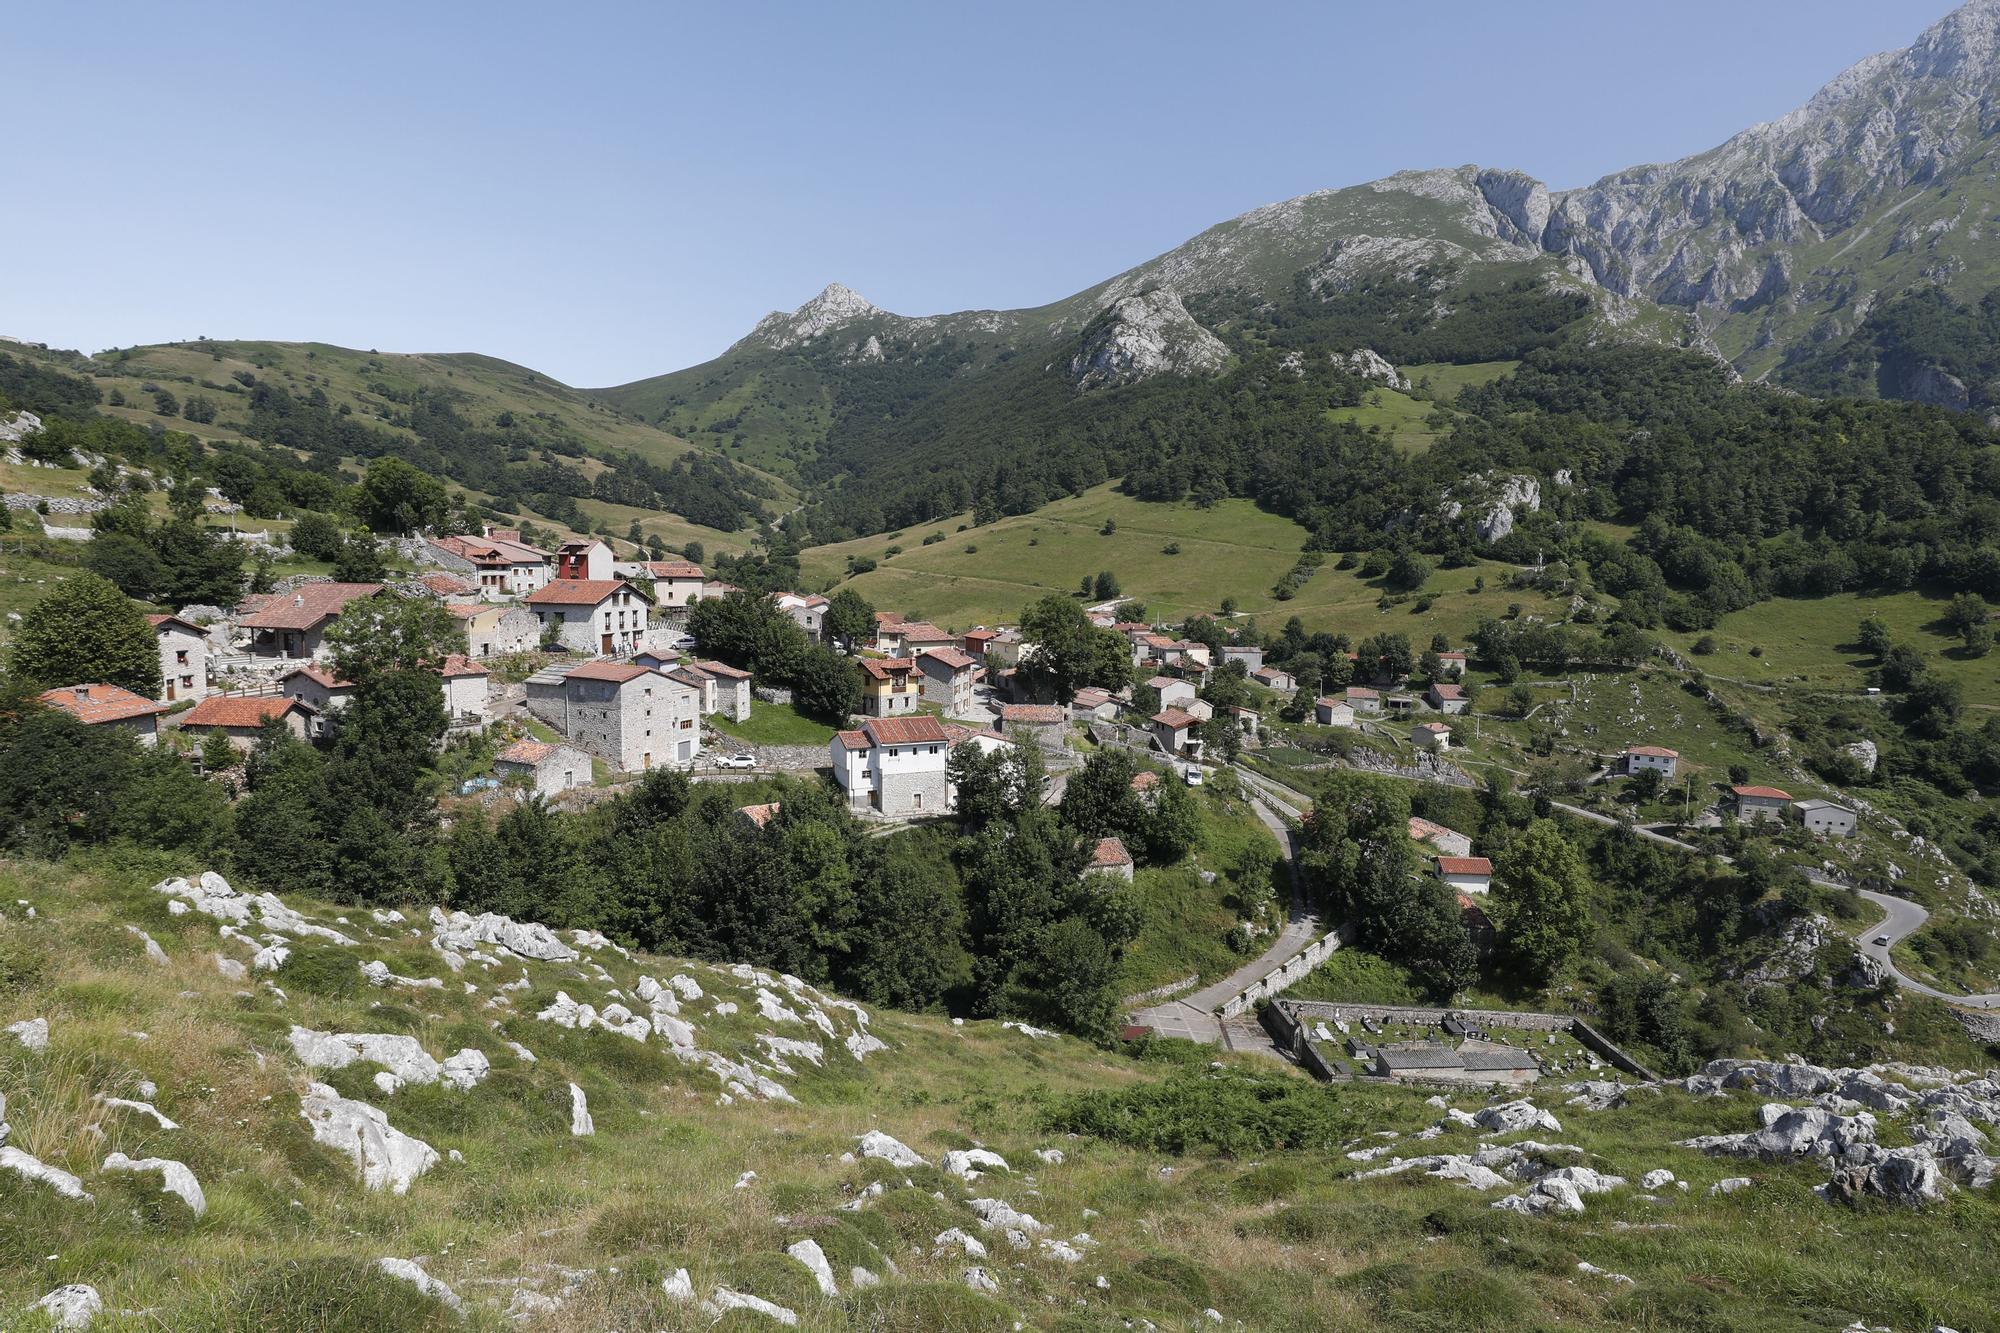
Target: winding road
x,y
1906,918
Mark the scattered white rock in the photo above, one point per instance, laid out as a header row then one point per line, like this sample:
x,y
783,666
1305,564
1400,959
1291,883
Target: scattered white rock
x,y
465,1070
33,1168
387,1083
808,1253
175,1178
1512,1117
677,1286
893,1151
998,1215
73,1306
386,1157
723,1300
406,1270
861,1279
521,1052
1730,1185
153,950
402,1056
972,1162
142,1108
1656,1179
746,1180
1051,1156
1032,1033
580,1123
973,1247
1592,1270
463,933
32,1033
980,1280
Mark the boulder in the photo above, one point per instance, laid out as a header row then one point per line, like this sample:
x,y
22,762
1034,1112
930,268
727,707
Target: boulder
x,y
465,1070
980,1280
402,1056
175,1178
1902,1175
677,1285
464,933
73,1306
1788,1132
580,1123
996,1215
808,1253
1656,1179
408,1270
1512,1117
32,1033
30,1167
970,1163
893,1151
973,1247
724,1299
385,1157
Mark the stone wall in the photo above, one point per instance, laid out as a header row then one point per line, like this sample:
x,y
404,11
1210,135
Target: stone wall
x,y
1288,1019
1295,967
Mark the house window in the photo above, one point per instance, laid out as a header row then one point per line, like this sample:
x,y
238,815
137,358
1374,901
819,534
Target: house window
x,y
916,800
181,657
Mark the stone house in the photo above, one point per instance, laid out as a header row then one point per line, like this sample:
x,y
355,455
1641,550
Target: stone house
x,y
1248,720
889,686
1432,736
547,769
108,706
498,561
894,766
724,689
585,559
808,611
241,717
1201,710
465,692
907,638
1445,841
1109,857
497,631
1331,712
183,658
1400,705
1467,874
676,583
1452,664
1445,697
1250,656
1364,701
1174,692
1092,704
293,624
1172,730
1639,758
604,616
1047,725
630,715
314,685
1754,803
450,588
947,677
1275,678
1825,818
974,641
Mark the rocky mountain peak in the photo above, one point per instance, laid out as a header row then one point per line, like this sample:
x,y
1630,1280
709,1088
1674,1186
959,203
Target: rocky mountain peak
x,y
835,306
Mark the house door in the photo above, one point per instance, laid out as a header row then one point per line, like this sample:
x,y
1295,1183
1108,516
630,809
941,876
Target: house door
x,y
170,691
606,646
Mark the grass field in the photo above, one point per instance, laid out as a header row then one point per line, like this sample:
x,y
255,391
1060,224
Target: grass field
x,y
1187,921
1403,419
1232,550
1199,1188
774,724
1446,380
1810,642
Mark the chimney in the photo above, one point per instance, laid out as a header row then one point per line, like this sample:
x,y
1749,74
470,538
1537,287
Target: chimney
x,y
82,693
298,599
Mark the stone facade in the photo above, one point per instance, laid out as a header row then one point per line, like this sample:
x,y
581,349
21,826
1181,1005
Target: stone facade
x,y
894,767
183,659
632,716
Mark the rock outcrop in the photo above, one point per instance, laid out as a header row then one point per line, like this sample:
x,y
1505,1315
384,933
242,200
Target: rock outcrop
x,y
1143,335
385,1157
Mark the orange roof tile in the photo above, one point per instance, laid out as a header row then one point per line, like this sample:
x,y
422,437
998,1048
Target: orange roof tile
x,y
1763,793
920,730
581,592
1109,852
241,711
1464,865
1034,715
308,606
92,704
615,672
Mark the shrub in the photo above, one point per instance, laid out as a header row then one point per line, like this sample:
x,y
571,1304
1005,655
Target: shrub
x,y
1225,1111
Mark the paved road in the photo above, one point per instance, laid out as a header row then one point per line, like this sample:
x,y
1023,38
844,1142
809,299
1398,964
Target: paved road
x,y
1193,1016
1905,918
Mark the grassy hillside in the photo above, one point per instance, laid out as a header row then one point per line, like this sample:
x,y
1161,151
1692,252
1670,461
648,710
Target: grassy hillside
x,y
1181,1188
987,574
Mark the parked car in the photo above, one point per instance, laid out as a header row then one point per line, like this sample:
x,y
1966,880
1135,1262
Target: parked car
x,y
1191,775
736,761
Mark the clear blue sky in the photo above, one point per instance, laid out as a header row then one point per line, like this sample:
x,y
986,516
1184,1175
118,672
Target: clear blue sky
x,y
609,191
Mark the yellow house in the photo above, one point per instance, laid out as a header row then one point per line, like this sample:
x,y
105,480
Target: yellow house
x,y
889,686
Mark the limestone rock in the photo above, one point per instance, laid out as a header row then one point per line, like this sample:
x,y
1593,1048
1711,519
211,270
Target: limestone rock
x,y
465,1070
808,1253
996,1215
970,1163
32,1033
385,1157
402,1056
980,1280
877,1144
140,1108
1512,1117
1143,335
1902,1175
29,1166
406,1270
464,933
1369,364
1787,1132
175,1178
580,1123
73,1306
677,1285
725,1299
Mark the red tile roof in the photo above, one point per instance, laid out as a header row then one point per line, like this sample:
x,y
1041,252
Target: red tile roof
x,y
922,631
527,752
1109,853
319,676
760,815
951,657
674,569
308,606
1362,692
1175,719
882,668
1443,691
1464,865
1435,728
1656,751
1763,793
1033,715
239,711
615,672
491,550
458,664
467,610
972,634
851,740
1328,701
1161,682
1421,828
884,619
92,704
161,622
447,585
920,730
723,669
581,592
